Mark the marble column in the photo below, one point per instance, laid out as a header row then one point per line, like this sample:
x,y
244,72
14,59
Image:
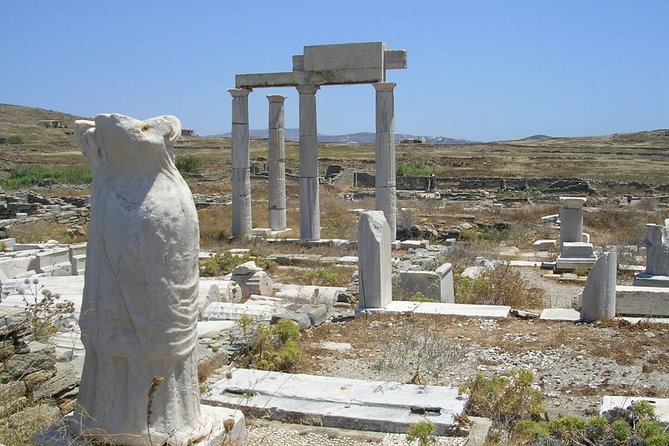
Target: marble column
x,y
571,219
241,163
310,219
386,200
276,184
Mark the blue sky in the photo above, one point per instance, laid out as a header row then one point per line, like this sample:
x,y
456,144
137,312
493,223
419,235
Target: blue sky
x,y
481,70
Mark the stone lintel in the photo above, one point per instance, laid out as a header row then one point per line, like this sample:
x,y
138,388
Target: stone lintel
x,y
239,92
262,80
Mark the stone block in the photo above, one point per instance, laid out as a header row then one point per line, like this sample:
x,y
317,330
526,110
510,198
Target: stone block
x,y
653,280
344,64
16,266
544,245
560,314
318,313
339,402
395,59
375,260
281,79
301,319
642,301
578,250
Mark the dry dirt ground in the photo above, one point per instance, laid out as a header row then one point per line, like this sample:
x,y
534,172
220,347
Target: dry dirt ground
x,y
574,364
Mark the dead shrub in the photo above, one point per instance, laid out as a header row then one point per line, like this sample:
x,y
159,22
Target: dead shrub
x,y
504,285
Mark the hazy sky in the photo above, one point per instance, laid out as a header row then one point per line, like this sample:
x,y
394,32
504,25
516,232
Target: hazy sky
x,y
482,70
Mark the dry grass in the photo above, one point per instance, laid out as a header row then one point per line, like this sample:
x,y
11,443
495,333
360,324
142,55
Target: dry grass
x,y
41,231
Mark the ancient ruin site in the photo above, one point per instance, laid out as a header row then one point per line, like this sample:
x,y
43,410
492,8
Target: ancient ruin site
x,y
165,288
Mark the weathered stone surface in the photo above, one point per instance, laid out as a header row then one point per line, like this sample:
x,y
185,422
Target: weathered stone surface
x,y
249,267
544,245
257,283
276,183
344,63
375,262
317,313
642,301
339,402
20,365
241,184
599,296
310,224
139,311
65,379
301,319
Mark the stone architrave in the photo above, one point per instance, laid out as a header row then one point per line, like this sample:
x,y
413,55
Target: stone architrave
x,y
276,165
599,295
374,261
139,313
241,163
386,200
310,219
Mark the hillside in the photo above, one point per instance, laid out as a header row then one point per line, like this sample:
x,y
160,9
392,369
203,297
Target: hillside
x,y
16,120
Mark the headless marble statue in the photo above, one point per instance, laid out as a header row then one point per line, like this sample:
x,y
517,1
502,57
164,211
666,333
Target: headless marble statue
x,y
139,314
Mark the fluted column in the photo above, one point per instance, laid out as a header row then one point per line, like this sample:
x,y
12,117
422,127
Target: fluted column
x,y
276,166
241,163
386,196
310,219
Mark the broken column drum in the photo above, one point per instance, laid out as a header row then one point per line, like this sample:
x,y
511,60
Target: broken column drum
x,y
241,163
599,294
139,313
276,164
374,261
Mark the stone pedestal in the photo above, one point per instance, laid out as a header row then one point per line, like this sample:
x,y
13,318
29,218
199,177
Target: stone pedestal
x,y
276,183
599,295
657,259
374,261
386,200
310,219
574,252
241,163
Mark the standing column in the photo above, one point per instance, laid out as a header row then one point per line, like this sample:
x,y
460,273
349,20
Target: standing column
x,y
571,219
276,183
386,199
241,163
310,219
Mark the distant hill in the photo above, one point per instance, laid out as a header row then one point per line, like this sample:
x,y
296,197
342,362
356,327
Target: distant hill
x,y
536,137
354,138
17,120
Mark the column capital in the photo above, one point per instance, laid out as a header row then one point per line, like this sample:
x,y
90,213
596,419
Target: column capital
x,y
276,97
384,86
239,92
307,89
